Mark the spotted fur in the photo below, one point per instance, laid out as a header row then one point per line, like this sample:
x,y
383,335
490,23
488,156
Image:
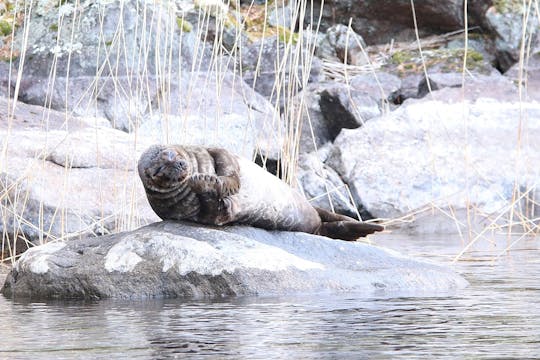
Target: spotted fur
x,y
213,186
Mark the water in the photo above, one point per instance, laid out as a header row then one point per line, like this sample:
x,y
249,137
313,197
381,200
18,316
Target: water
x,y
497,316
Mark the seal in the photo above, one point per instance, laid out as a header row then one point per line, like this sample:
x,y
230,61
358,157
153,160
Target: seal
x,y
213,186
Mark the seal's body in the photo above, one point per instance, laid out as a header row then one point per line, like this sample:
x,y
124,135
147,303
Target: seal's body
x,y
213,186
267,202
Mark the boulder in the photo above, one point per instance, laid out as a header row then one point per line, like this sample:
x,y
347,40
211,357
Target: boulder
x,y
439,81
215,109
379,85
467,158
66,176
137,63
214,22
283,13
119,63
278,70
314,132
341,44
322,185
383,21
175,259
530,76
505,22
328,107
346,107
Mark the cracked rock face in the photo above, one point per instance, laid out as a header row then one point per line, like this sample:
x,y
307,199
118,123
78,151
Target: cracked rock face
x,y
444,151
175,259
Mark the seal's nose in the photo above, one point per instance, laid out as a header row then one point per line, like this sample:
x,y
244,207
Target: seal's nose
x,y
181,163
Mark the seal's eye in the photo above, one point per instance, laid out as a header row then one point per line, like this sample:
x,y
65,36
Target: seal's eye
x,y
158,170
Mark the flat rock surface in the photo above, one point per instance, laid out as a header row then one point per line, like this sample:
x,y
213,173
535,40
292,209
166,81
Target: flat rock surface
x,y
67,176
174,259
445,151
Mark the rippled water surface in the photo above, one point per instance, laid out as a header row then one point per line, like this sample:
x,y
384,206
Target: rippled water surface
x,y
497,316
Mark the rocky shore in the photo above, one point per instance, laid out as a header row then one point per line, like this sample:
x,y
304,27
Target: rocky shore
x,y
431,134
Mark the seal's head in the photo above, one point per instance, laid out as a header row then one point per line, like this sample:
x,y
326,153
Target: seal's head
x,y
163,168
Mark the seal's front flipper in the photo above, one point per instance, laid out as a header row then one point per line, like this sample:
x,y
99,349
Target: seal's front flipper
x,y
348,230
205,184
215,211
228,171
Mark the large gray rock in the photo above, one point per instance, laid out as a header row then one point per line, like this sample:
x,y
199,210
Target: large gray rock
x,y
530,75
314,132
379,85
66,176
326,108
322,185
109,38
169,259
107,59
341,44
138,63
383,21
468,158
505,21
438,80
215,109
345,107
283,13
278,70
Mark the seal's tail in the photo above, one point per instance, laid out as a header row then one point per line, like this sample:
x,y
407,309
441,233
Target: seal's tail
x,y
342,227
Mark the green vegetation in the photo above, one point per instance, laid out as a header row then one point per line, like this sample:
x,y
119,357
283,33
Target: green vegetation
x,y
506,6
474,56
184,25
5,27
445,60
400,57
256,25
285,35
54,27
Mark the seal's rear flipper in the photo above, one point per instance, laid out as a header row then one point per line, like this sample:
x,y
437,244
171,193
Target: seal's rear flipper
x,y
348,230
327,216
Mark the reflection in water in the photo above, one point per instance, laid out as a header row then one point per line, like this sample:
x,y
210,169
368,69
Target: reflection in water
x,y
498,315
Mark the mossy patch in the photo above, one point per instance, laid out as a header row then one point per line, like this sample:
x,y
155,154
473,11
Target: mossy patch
x,y
474,57
54,27
508,6
9,22
285,35
184,25
5,27
406,62
400,57
257,27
